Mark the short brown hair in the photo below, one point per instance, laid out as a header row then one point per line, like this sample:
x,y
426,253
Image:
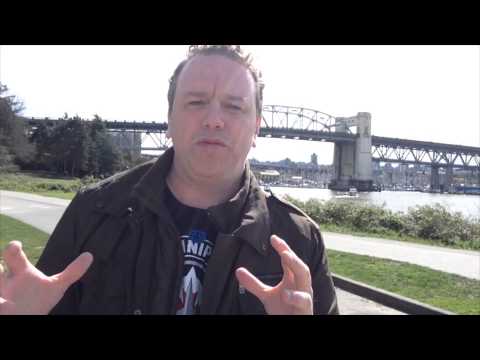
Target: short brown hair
x,y
233,52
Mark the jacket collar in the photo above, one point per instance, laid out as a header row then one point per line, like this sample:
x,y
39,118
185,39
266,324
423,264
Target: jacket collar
x,y
244,216
151,187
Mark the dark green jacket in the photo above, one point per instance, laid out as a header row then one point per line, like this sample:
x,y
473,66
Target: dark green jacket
x,y
138,258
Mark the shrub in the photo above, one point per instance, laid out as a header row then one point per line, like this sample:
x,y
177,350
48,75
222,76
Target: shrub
x,y
427,222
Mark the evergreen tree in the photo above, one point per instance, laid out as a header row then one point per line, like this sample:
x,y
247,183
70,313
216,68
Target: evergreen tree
x,y
14,144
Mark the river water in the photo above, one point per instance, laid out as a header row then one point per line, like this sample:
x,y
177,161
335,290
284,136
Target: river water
x,y
468,205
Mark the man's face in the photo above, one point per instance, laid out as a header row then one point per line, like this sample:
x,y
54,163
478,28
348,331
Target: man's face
x,y
213,120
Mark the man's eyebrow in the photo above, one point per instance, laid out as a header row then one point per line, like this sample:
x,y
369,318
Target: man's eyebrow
x,y
230,97
195,93
237,98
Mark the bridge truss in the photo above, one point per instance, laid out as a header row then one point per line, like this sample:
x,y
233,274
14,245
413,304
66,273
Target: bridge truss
x,y
426,153
298,123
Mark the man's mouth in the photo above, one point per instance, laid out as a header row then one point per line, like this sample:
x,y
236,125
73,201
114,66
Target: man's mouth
x,y
214,142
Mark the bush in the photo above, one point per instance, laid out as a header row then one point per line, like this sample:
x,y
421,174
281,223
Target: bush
x,y
436,223
394,221
87,180
426,222
9,168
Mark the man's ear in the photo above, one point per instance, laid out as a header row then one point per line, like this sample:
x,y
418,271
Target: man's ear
x,y
257,130
168,134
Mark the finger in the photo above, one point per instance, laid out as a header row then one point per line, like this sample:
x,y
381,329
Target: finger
x,y
2,275
15,258
300,271
279,244
299,299
251,283
288,279
75,270
292,261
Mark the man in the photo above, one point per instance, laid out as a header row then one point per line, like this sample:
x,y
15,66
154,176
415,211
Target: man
x,y
192,232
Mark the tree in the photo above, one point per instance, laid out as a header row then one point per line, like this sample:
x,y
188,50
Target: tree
x,y
72,147
42,137
104,157
15,104
76,147
14,144
6,124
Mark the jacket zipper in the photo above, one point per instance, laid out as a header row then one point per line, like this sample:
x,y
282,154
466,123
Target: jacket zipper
x,y
179,270
172,230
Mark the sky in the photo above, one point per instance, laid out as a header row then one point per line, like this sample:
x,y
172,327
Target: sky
x,y
427,93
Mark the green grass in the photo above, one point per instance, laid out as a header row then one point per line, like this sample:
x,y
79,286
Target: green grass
x,y
443,290
33,181
41,184
33,240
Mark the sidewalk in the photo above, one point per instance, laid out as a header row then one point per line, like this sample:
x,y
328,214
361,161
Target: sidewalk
x,y
39,211
461,262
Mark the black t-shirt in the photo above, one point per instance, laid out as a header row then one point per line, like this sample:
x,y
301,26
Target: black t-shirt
x,y
197,234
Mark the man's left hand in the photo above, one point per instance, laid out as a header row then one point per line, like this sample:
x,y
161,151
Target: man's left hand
x,y
293,295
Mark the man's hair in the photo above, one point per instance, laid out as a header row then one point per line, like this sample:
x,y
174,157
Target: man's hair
x,y
233,52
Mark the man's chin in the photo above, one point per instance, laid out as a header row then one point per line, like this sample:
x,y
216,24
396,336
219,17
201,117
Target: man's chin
x,y
212,174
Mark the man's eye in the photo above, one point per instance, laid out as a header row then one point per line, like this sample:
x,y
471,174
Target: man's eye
x,y
234,107
196,102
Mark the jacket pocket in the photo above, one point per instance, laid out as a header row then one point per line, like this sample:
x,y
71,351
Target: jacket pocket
x,y
104,284
249,303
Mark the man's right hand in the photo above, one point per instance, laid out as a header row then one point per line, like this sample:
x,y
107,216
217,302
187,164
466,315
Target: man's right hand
x,y
25,290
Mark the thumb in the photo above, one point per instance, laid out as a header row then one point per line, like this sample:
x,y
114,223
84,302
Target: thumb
x,y
251,283
75,270
15,258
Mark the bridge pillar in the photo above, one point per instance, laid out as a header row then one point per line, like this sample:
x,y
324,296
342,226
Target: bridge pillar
x,y
353,161
448,178
343,161
434,179
363,152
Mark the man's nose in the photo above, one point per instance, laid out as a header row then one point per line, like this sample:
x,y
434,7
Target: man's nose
x,y
214,117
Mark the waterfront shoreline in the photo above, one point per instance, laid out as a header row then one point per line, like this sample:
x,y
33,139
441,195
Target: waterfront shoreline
x,y
396,201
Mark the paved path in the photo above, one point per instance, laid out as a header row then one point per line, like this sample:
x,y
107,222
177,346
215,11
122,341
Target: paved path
x,y
351,304
460,262
39,211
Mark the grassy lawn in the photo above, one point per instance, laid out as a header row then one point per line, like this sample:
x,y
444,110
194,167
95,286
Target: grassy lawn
x,y
447,291
40,184
33,240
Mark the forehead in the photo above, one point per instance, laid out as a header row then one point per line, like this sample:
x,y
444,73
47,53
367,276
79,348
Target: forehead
x,y
207,73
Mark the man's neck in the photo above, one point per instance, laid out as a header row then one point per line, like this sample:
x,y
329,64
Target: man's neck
x,y
201,193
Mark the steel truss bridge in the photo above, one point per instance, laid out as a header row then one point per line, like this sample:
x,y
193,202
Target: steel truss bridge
x,y
299,123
